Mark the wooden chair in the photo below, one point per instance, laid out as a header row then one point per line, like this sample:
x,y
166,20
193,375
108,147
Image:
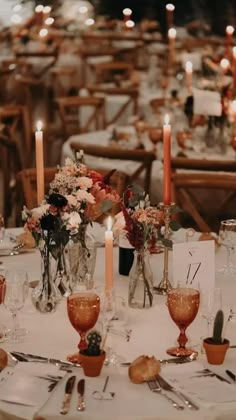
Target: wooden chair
x,y
130,95
64,78
112,71
203,164
10,164
145,159
88,55
69,111
206,198
27,184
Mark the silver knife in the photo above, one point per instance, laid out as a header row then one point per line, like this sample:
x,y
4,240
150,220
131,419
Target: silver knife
x,y
68,392
167,387
81,388
27,357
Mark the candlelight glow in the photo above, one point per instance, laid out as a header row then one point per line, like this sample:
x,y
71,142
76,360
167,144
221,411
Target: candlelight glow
x,y
170,7
17,8
39,125
83,10
166,119
47,9
43,32
188,66
89,22
234,52
39,8
127,11
224,63
172,33
49,21
229,30
130,23
109,223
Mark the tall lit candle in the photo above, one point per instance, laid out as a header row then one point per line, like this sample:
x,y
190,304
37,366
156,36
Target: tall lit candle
x,y
170,14
233,108
46,12
127,12
228,39
167,161
189,76
39,14
39,162
109,255
171,38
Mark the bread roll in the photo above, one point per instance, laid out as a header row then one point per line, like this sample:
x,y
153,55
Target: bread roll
x,y
143,368
3,359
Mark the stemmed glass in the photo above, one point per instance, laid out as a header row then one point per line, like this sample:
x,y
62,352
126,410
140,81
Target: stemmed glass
x,y
155,134
13,297
183,303
211,302
83,311
227,238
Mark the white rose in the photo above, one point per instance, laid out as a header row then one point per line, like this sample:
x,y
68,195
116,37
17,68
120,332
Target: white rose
x,y
73,220
38,212
72,200
83,195
84,182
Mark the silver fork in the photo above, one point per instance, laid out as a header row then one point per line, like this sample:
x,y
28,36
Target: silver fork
x,y
155,387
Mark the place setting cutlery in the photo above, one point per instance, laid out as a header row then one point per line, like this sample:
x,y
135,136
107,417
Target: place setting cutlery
x,y
27,357
155,387
81,389
168,387
172,360
68,393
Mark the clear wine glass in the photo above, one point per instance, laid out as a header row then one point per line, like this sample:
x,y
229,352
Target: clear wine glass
x,y
183,303
211,302
13,298
227,238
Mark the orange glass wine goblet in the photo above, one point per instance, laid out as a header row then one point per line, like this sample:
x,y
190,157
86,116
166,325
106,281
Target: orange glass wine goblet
x,y
183,303
83,310
155,134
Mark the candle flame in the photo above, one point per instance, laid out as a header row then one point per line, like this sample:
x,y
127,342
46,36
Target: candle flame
x,y
89,22
170,7
229,30
224,63
189,66
39,125
109,223
130,23
43,32
47,9
172,33
127,11
49,21
39,8
166,119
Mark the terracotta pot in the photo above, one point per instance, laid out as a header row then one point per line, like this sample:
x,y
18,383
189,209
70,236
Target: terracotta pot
x,y
92,365
215,352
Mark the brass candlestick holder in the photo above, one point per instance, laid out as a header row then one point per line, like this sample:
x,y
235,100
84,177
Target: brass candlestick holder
x,y
165,286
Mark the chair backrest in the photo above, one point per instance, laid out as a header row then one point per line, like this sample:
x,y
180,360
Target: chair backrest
x,y
203,164
70,110
145,158
10,164
64,78
130,95
111,70
206,198
27,180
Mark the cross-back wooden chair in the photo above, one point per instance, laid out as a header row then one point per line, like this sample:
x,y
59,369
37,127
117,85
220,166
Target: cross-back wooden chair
x,y
64,78
27,185
10,165
90,55
130,96
206,198
145,158
178,163
112,71
69,111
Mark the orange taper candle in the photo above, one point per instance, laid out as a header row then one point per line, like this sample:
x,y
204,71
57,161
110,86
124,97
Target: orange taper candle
x,y
109,255
39,162
167,161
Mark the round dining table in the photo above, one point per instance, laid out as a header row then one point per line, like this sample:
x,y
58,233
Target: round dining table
x,y
152,331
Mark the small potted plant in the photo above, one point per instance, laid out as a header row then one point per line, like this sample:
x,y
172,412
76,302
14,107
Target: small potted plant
x,y
92,358
216,346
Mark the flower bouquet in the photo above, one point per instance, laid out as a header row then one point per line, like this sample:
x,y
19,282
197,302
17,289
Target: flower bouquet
x,y
77,197
142,224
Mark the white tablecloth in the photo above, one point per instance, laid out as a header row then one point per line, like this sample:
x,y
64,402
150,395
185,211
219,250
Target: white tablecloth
x,y
153,332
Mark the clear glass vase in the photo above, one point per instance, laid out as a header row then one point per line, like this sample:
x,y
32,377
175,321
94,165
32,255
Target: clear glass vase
x,y
82,259
46,295
141,281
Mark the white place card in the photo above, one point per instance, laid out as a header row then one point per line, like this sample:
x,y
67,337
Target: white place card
x,y
194,57
194,264
206,102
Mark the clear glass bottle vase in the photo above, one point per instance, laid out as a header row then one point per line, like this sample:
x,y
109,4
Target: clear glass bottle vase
x,y
140,281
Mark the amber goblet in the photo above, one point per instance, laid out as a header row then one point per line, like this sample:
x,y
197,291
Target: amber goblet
x,y
83,310
155,134
183,303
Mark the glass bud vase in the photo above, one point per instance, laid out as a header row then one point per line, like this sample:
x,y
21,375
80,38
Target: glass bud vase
x,y
140,281
46,295
82,259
